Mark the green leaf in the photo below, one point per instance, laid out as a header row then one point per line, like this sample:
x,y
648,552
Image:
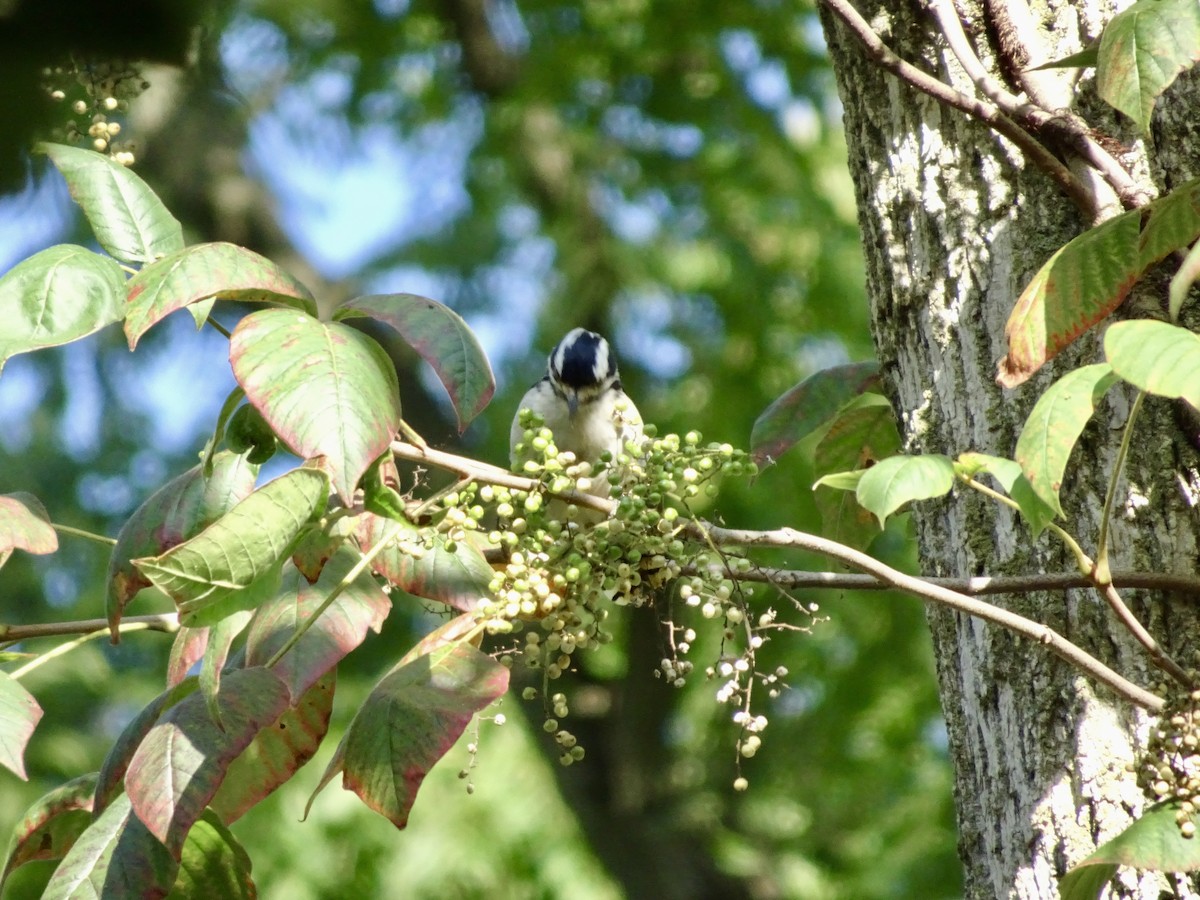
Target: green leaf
x,y
1156,357
25,525
1151,842
807,406
442,339
115,857
1142,50
1088,278
129,221
175,512
249,433
221,636
1008,473
891,483
57,296
277,752
19,715
1182,281
182,761
52,824
411,719
841,481
324,388
342,627
458,578
186,650
241,547
213,864
1054,425
203,272
1081,60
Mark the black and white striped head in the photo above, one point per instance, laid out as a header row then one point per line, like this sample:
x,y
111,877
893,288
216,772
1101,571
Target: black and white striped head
x,y
582,367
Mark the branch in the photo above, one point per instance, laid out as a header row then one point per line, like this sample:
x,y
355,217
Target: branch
x,y
1042,634
166,622
987,113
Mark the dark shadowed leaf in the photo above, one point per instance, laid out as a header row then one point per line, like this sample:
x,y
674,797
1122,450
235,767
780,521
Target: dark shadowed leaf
x,y
244,546
128,219
1054,426
182,762
459,578
25,525
52,824
19,715
58,296
1156,357
1142,50
110,781
362,606
115,857
1152,842
442,339
277,752
897,480
808,406
175,512
213,865
324,388
205,271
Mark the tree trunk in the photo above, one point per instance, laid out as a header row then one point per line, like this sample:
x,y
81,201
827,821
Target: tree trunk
x,y
955,222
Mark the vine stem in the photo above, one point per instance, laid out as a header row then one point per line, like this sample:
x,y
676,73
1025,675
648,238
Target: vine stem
x,y
79,532
68,646
357,569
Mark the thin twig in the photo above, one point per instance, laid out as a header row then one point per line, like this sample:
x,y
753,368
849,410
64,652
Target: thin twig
x,y
68,646
79,532
985,112
167,622
1035,631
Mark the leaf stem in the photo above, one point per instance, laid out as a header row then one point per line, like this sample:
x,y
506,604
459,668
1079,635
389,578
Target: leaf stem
x,y
79,532
1102,574
218,327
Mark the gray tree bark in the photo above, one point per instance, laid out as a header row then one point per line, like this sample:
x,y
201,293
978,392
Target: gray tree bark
x,y
955,222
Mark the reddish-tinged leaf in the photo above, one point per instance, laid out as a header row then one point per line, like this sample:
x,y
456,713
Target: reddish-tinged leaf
x,y
459,579
57,296
19,715
186,650
175,512
204,271
442,339
214,865
115,857
342,627
324,388
278,751
808,406
52,824
317,547
180,765
25,525
110,781
409,722
221,636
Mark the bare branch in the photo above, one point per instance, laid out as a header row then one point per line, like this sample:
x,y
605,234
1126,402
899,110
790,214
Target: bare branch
x,y
167,622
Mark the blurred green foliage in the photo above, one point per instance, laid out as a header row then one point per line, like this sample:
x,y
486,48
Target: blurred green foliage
x,y
674,179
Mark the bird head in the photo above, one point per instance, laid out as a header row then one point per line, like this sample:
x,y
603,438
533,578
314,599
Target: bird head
x,y
582,367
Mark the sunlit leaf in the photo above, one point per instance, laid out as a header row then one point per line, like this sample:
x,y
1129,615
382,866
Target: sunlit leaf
x,y
186,650
221,636
182,761
175,512
458,577
324,388
442,339
25,525
1142,50
57,296
277,751
128,219
205,271
1152,842
1088,278
361,607
213,864
1157,357
897,480
807,406
244,545
115,857
19,715
52,824
1054,426
841,481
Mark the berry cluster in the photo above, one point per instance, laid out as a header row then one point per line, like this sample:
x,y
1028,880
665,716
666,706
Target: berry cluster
x,y
100,89
1170,765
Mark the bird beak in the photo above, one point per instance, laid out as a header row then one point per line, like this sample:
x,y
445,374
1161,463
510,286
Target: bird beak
x,y
572,403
